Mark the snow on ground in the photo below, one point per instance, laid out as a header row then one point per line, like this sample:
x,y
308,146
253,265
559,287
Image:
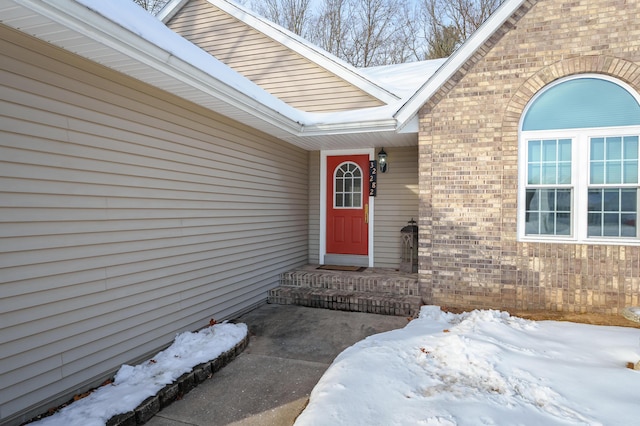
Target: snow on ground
x,y
482,368
134,384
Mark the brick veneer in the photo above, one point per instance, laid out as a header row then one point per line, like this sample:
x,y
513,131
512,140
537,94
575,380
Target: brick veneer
x,y
469,255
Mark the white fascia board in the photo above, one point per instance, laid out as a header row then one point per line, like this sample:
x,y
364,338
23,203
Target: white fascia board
x,y
170,9
85,21
307,50
455,61
382,125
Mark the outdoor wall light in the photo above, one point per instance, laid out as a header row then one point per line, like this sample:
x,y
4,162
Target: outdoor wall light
x,y
382,161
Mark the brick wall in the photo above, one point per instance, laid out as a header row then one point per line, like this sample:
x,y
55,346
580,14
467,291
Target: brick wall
x,y
469,255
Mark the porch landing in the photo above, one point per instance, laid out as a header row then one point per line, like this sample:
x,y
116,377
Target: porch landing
x,y
375,290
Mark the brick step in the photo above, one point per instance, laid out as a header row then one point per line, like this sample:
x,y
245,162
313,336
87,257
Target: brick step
x,y
370,281
344,300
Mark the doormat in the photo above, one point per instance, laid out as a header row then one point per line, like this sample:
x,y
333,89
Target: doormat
x,y
342,268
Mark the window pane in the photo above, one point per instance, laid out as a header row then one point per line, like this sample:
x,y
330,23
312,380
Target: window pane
x,y
597,149
339,202
613,172
597,172
611,226
564,150
563,224
614,148
534,151
595,200
595,225
347,200
630,172
629,201
630,147
348,185
629,225
549,173
531,225
534,174
549,148
611,200
339,185
356,200
564,173
563,202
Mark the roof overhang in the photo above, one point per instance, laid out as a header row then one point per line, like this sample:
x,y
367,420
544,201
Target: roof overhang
x,y
107,35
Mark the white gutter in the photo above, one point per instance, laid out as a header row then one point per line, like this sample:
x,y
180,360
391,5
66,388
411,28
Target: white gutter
x,y
455,61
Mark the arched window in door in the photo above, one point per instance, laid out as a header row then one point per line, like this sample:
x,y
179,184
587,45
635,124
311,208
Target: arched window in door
x,y
348,186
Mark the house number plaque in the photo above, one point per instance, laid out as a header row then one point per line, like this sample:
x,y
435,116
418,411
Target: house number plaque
x,y
373,178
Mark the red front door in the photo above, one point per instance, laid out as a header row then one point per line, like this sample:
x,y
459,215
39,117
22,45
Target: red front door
x,y
348,204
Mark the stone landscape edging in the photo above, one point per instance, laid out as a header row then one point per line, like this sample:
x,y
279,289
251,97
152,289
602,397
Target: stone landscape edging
x,y
178,388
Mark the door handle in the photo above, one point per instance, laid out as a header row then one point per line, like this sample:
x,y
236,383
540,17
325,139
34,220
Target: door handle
x,y
366,213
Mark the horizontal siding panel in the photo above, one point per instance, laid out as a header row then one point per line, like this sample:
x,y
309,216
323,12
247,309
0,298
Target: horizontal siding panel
x,y
126,215
260,58
396,203
314,207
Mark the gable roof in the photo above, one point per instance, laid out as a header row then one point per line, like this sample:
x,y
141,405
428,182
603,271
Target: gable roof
x,y
122,36
291,41
458,59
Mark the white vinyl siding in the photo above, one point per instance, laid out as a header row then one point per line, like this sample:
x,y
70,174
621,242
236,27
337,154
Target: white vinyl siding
x,y
314,207
126,216
395,204
269,64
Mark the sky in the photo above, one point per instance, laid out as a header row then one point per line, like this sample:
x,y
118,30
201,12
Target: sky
x,y
483,367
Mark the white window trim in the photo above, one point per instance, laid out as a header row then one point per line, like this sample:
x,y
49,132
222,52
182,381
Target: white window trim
x,y
579,184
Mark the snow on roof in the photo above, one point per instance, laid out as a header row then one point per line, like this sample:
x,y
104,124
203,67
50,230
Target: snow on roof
x,y
404,79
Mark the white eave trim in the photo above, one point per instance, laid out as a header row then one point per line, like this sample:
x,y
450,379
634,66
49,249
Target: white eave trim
x,y
387,125
455,61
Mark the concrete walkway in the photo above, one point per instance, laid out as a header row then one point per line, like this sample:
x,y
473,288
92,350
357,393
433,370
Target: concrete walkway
x,y
290,348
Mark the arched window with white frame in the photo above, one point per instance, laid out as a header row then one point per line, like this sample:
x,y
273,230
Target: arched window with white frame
x,y
348,186
578,163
